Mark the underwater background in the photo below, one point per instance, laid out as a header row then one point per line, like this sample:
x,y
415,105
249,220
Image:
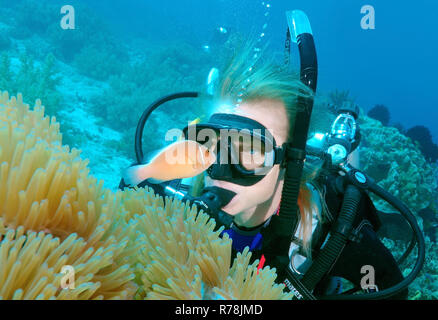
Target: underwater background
x,y
98,78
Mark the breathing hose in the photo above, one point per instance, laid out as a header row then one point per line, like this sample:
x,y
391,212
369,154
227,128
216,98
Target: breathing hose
x,y
144,117
407,214
338,238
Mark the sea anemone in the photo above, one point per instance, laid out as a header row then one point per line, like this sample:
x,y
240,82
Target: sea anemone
x,y
54,214
120,245
180,256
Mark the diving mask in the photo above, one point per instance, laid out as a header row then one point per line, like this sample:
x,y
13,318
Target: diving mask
x,y
245,149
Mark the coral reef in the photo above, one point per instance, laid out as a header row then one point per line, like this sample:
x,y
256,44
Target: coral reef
x,y
139,84
430,222
99,64
397,165
121,245
323,115
34,16
380,112
5,42
425,286
29,18
338,97
422,135
67,44
33,80
400,127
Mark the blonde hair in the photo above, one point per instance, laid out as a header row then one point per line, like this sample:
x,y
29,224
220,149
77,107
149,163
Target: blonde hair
x,y
248,78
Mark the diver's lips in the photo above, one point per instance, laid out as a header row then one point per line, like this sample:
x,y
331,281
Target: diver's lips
x,y
227,195
230,204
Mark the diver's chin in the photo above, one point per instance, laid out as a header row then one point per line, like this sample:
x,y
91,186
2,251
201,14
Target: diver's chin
x,y
230,208
221,184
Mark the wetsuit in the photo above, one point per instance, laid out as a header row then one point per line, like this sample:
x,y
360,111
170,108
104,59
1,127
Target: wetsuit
x,y
364,250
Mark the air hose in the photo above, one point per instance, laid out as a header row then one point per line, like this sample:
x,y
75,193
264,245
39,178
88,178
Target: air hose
x,y
277,240
338,238
407,214
147,113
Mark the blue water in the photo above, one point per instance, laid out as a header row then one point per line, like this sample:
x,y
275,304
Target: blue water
x,y
395,64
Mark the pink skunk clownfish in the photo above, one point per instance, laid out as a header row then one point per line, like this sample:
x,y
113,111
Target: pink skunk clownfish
x,y
182,159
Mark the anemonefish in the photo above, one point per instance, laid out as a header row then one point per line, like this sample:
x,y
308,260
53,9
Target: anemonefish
x,y
182,159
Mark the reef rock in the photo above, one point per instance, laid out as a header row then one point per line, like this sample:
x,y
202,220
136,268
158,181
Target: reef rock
x,y
398,165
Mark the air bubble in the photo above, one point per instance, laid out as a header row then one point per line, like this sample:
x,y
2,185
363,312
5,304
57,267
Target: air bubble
x,y
256,51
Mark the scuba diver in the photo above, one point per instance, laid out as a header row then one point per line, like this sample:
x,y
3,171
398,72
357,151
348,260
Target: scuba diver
x,y
297,203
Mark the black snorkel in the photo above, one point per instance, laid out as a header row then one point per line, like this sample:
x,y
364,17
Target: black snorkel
x,y
283,226
145,116
355,183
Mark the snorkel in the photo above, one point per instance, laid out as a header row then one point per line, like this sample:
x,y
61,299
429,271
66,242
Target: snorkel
x,y
341,141
283,225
